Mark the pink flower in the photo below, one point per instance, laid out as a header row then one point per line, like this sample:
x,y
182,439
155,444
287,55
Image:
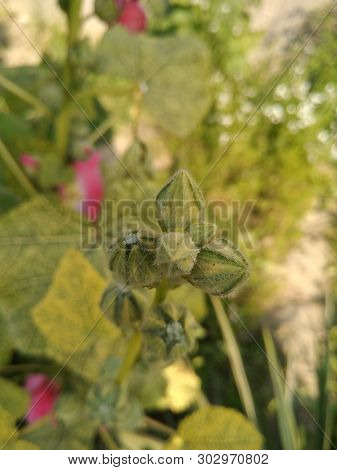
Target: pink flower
x,y
133,17
89,185
29,163
44,394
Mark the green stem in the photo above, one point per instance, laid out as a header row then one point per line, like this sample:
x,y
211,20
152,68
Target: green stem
x,y
107,438
130,358
24,95
158,426
235,359
100,130
64,118
14,168
161,292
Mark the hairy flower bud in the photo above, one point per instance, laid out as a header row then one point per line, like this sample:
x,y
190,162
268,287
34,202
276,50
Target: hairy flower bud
x,y
106,10
171,332
176,255
123,306
219,268
203,233
180,203
133,257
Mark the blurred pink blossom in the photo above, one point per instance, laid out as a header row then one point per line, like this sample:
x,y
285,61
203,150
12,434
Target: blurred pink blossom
x,y
44,394
132,17
89,185
29,163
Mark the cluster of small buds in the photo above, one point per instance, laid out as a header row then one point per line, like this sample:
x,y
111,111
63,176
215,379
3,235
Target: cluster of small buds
x,y
187,250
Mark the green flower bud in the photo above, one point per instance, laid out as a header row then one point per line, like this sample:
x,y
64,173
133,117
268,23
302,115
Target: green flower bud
x,y
123,306
106,10
171,332
203,233
219,268
180,203
176,255
133,257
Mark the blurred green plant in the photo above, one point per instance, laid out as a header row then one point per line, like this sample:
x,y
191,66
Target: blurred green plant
x,y
181,94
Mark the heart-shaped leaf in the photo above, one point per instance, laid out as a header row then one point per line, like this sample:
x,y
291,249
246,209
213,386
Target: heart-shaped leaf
x,y
170,74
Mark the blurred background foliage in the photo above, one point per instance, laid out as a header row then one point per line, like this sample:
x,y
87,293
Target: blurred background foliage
x,y
252,115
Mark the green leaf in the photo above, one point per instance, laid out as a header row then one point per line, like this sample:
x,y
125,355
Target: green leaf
x,y
11,126
33,238
13,398
171,74
9,435
216,428
71,320
52,171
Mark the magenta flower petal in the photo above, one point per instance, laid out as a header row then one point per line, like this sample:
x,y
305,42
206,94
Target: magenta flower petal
x,y
90,185
43,393
133,18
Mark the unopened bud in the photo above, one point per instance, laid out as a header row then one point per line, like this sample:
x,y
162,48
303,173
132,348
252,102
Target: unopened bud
x,y
106,10
203,233
176,255
180,203
171,332
123,306
219,268
133,259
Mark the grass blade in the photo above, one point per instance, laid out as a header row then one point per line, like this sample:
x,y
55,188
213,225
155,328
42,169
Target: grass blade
x,y
285,415
235,359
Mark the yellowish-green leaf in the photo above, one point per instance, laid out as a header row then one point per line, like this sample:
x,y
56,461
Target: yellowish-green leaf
x,y
13,398
171,74
33,238
5,342
216,428
70,318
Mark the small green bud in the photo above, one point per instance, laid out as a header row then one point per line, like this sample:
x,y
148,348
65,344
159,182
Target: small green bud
x,y
180,203
106,10
133,257
171,332
219,268
176,255
123,306
203,233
